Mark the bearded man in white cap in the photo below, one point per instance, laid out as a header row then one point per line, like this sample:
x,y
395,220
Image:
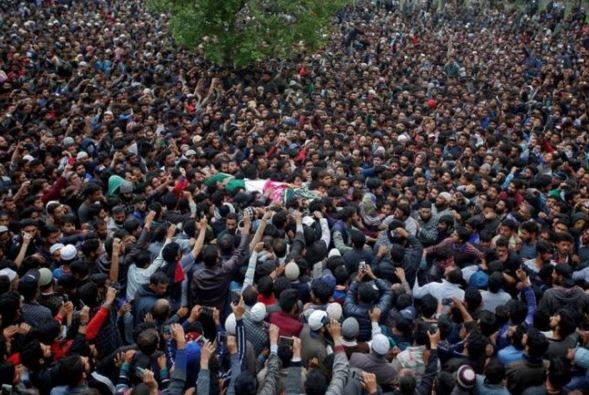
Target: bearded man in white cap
x,y
375,361
255,331
312,337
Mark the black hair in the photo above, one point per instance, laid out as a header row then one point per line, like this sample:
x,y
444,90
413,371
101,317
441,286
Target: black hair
x,y
567,324
31,355
142,259
495,283
316,383
445,383
170,252
71,369
285,355
368,292
455,277
473,298
559,372
494,371
288,299
463,233
265,286
209,255
531,227
428,305
502,242
226,243
158,278
147,341
279,247
4,284
407,385
250,295
358,239
280,284
28,289
543,247
517,311
341,275
536,344
89,246
420,336
321,290
246,384
517,337
488,323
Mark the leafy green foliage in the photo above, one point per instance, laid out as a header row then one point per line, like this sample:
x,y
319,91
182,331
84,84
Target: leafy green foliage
x,y
240,32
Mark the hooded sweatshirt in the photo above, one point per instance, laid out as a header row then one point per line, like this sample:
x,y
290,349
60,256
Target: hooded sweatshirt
x,y
144,301
559,297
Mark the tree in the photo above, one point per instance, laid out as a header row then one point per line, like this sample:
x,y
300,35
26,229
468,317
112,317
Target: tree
x,y
239,32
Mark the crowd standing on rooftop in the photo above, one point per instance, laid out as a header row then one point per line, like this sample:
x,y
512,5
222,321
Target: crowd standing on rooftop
x,y
405,211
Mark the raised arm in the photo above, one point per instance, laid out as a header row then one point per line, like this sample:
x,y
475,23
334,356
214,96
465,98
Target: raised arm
x,y
239,311
271,382
261,228
159,261
432,368
341,366
293,378
299,241
529,295
113,273
232,262
251,266
26,241
200,241
203,382
438,247
178,379
325,233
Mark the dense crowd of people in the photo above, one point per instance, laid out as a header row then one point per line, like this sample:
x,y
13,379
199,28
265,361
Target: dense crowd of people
x,y
405,211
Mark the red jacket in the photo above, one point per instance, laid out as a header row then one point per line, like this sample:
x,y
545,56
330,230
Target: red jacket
x,y
289,325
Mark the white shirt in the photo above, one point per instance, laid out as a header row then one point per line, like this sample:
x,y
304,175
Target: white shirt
x,y
136,277
411,226
440,291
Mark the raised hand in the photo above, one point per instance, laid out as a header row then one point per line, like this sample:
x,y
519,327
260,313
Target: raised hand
x,y
369,382
84,315
195,313
335,329
231,344
206,352
238,308
171,232
374,314
273,333
111,295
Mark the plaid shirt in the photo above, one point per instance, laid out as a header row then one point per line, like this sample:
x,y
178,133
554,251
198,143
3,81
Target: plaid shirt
x,y
108,338
34,314
256,334
463,250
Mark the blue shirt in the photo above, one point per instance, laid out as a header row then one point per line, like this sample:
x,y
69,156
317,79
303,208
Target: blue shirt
x,y
528,251
509,355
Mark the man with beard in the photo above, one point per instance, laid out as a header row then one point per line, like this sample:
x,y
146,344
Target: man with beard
x,y
428,224
403,213
403,249
490,220
441,205
528,233
117,221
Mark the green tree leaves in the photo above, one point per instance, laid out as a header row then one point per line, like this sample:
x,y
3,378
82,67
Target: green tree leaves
x,y
236,33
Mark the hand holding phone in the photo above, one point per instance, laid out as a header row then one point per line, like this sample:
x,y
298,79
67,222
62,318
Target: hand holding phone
x,y
362,266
